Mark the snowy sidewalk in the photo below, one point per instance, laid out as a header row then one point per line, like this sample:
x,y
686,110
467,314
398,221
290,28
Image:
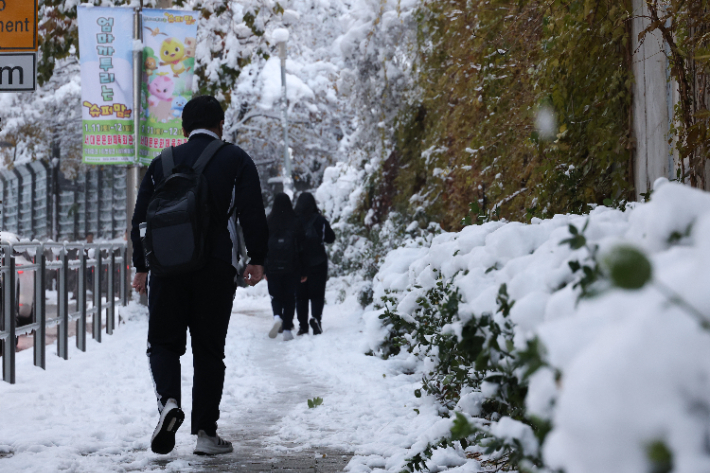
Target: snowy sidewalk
x,y
96,412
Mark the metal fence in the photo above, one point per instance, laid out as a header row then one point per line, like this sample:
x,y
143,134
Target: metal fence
x,y
39,202
100,268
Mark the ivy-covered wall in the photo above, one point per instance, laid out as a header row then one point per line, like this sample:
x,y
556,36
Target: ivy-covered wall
x,y
524,111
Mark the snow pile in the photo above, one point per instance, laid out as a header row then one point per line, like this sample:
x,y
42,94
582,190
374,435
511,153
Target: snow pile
x,y
280,35
624,376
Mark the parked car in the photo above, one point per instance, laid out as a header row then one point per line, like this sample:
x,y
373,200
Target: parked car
x,y
24,282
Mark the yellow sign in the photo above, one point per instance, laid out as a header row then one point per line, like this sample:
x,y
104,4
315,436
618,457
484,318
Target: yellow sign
x,y
18,25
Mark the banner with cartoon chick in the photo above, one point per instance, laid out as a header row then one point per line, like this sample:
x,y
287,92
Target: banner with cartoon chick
x,y
168,67
106,84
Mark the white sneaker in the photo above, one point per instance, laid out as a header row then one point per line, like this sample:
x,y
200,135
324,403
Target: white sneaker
x,y
163,440
207,445
275,328
287,335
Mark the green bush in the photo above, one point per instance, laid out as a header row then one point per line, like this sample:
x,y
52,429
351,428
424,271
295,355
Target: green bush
x,y
483,354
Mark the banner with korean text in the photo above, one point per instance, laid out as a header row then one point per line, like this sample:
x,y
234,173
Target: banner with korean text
x,y
106,51
169,40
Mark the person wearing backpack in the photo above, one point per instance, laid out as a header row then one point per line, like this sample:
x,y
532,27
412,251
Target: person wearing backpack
x,y
183,209
285,265
318,233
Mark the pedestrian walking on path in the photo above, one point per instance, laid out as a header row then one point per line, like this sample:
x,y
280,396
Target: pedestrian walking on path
x,y
186,199
318,233
285,265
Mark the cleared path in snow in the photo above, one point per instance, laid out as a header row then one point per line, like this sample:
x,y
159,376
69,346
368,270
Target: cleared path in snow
x,y
261,420
96,412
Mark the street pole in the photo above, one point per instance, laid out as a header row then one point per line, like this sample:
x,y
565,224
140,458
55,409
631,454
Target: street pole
x,y
136,172
55,191
132,174
287,180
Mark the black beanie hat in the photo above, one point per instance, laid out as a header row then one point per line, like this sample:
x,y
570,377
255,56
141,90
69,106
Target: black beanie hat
x,y
202,112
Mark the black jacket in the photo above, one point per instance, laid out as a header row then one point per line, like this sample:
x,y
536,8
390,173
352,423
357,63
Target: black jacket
x,y
232,178
324,234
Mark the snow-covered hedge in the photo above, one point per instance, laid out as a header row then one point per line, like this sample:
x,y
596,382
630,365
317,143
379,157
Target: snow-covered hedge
x,y
360,247
540,359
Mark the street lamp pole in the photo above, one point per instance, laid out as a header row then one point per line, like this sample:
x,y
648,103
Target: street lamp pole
x,y
132,171
287,180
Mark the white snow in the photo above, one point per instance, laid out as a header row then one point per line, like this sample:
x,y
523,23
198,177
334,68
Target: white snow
x,y
280,35
96,412
625,369
271,89
634,367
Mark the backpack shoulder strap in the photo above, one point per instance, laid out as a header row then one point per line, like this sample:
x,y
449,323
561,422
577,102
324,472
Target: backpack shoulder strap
x,y
167,159
207,155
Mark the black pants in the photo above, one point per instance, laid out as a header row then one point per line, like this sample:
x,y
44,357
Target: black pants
x,y
202,302
314,290
282,289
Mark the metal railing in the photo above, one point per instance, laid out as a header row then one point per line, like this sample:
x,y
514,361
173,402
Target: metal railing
x,y
87,260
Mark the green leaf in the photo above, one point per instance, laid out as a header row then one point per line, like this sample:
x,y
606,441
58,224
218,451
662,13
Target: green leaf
x,y
576,242
461,428
628,267
315,402
660,457
482,361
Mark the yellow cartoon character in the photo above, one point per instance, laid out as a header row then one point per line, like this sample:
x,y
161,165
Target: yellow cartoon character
x,y
172,52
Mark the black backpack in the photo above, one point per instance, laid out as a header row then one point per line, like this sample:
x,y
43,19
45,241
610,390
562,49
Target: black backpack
x,y
282,252
180,216
314,243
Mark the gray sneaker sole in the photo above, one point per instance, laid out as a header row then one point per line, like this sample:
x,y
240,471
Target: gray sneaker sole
x,y
213,450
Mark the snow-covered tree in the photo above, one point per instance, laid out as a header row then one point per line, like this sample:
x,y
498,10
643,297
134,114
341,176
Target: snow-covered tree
x,y
46,124
236,61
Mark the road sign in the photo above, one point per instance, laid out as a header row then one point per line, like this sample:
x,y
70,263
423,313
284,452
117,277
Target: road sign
x,y
18,71
18,25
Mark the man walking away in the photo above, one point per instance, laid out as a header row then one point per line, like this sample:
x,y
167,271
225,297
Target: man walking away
x,y
318,232
195,292
286,264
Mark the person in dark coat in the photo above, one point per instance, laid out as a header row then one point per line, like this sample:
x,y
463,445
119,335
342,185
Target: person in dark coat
x,y
285,264
199,300
318,233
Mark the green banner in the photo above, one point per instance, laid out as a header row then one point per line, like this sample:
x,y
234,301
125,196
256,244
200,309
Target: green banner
x,y
108,141
169,40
